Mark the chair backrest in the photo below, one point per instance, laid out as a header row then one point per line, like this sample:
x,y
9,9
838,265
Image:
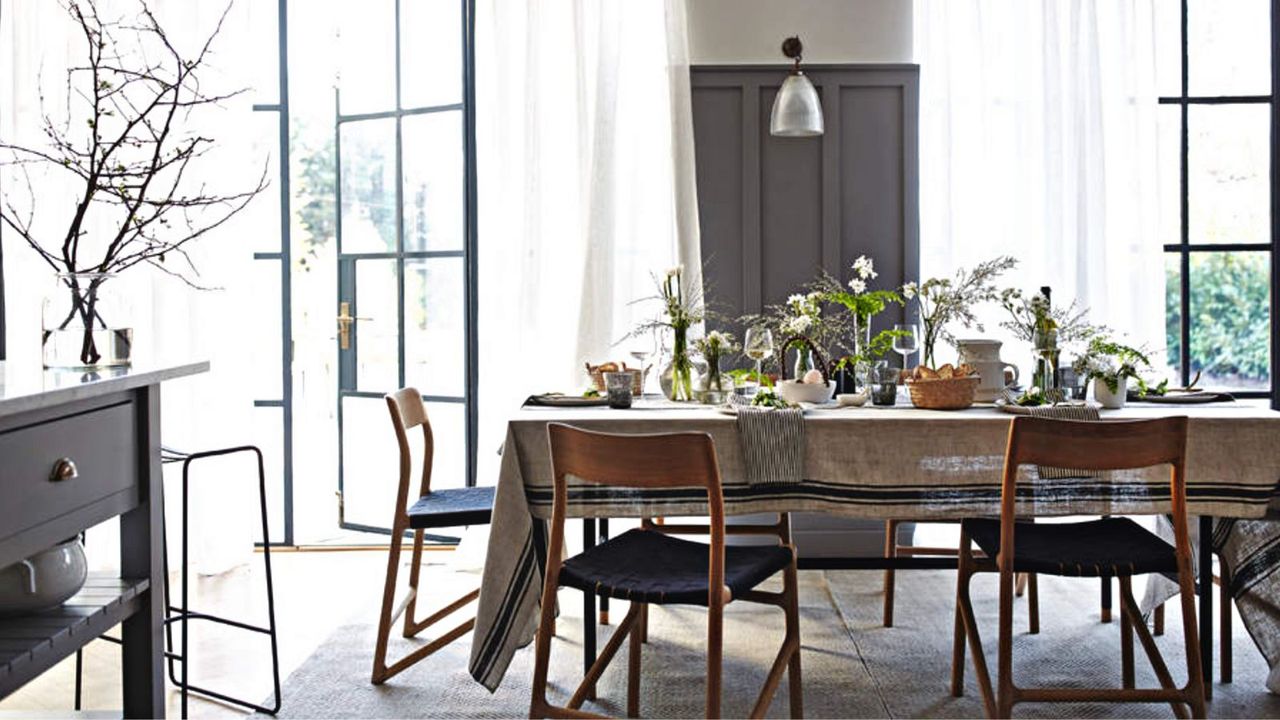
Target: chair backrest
x,y
407,413
666,460
1095,445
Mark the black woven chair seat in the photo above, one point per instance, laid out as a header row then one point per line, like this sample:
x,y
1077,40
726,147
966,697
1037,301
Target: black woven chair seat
x,y
452,507
1108,547
651,567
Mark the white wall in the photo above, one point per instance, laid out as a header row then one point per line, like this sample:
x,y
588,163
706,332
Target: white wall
x,y
833,31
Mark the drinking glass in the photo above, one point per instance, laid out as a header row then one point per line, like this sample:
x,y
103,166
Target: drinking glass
x,y
618,386
758,345
641,350
904,345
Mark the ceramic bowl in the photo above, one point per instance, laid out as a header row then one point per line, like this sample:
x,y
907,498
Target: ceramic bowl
x,y
852,399
44,580
798,392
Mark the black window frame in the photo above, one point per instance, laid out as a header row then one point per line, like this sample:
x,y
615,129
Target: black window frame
x,y
1184,248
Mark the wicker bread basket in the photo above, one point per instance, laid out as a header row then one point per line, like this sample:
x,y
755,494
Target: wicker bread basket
x,y
597,378
940,394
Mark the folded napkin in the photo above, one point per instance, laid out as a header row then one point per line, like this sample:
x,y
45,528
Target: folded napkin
x,y
772,443
1065,412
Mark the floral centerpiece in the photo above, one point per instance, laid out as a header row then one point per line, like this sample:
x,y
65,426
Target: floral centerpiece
x,y
715,345
863,305
682,308
1110,365
803,315
946,302
1048,329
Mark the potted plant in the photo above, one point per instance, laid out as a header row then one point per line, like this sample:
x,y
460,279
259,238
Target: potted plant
x,y
945,302
1110,365
136,159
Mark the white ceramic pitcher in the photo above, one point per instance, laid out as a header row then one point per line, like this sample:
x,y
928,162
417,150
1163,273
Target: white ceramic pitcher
x,y
984,356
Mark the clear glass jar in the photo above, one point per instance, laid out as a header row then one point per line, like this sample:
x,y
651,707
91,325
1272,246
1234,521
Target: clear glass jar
x,y
87,322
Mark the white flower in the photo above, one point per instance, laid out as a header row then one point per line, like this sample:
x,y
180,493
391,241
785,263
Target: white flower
x,y
909,290
796,301
865,268
799,324
858,286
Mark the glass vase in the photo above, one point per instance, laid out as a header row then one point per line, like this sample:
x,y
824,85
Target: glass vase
x,y
804,362
1046,361
86,323
677,379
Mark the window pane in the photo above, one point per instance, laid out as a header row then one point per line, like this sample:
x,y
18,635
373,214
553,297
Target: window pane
x,y
1168,31
1173,315
376,339
1229,47
433,181
268,435
370,462
1229,173
430,52
264,29
434,324
367,48
264,330
1231,319
1169,180
369,186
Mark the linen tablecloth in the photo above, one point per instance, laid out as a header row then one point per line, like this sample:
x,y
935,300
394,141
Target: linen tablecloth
x,y
864,462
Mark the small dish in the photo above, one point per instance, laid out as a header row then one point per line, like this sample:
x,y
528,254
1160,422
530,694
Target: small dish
x,y
852,399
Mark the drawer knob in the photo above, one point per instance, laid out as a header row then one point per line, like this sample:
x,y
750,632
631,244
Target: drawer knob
x,y
64,469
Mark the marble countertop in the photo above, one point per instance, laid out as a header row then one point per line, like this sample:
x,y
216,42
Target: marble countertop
x,y
27,386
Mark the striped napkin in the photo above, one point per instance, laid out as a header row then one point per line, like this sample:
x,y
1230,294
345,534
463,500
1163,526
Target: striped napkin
x,y
1065,412
772,443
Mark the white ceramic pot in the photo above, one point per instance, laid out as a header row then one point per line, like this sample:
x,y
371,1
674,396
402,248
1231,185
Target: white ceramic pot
x,y
984,356
1106,398
798,392
44,580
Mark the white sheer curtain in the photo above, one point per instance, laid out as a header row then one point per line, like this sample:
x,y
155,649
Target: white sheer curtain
x,y
586,173
1038,140
172,321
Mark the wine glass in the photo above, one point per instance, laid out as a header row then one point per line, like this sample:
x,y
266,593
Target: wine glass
x,y
641,351
906,343
758,345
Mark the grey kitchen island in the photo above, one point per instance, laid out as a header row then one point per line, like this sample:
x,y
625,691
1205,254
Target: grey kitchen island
x,y
76,449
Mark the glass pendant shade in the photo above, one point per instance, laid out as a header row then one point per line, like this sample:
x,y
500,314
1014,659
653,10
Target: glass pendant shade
x,y
797,111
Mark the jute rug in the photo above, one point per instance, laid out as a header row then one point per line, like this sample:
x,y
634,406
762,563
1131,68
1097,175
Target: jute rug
x,y
852,666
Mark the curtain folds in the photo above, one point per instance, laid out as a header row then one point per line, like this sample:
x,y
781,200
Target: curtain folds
x,y
586,186
1038,139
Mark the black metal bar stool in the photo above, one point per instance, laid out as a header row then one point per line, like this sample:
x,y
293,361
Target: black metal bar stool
x,y
181,614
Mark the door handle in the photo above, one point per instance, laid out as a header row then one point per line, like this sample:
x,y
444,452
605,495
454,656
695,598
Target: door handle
x,y
345,319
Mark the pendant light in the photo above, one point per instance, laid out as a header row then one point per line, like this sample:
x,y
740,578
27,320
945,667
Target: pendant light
x,y
797,111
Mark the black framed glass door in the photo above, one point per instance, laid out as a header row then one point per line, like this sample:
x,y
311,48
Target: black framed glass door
x,y
405,233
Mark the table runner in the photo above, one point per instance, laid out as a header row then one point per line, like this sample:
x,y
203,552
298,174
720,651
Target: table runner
x,y
872,463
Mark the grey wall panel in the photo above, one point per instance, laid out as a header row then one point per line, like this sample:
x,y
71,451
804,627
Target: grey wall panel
x,y
717,123
774,211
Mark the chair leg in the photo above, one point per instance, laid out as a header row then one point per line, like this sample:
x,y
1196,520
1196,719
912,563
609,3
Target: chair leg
x,y
1004,692
1129,612
644,623
1224,624
1191,636
388,599
415,569
1126,652
1033,604
1157,621
633,664
795,685
890,551
981,675
715,656
957,647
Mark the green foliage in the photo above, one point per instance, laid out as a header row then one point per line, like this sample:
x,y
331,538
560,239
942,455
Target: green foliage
x,y
1230,315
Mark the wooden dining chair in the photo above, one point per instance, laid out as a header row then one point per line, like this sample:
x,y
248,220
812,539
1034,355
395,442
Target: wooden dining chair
x,y
1109,547
648,566
451,507
1026,582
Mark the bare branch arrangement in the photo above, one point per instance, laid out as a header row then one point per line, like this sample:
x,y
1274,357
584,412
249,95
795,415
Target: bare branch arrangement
x,y
127,143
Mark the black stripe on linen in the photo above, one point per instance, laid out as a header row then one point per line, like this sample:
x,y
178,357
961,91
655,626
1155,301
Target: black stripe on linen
x,y
1259,566
526,568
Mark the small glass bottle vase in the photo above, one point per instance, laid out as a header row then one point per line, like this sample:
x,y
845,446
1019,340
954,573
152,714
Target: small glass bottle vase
x,y
1046,362
86,322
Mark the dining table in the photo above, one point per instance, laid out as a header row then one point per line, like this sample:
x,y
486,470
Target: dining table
x,y
879,463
